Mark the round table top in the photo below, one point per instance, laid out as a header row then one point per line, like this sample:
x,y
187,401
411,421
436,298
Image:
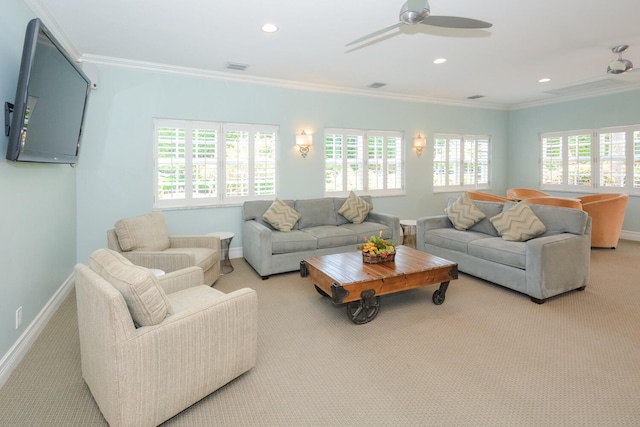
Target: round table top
x,y
409,222
222,234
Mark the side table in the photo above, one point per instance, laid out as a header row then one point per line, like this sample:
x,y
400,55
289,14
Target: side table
x,y
408,232
225,242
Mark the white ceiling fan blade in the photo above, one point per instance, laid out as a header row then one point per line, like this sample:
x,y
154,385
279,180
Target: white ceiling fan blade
x,y
377,33
455,22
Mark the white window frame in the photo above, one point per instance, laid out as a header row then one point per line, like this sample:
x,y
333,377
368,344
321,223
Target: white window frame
x,y
625,180
461,181
221,196
363,185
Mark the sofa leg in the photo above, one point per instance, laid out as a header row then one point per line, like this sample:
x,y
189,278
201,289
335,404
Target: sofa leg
x,y
582,288
537,301
264,277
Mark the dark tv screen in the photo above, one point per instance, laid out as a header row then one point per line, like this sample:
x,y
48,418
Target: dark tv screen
x,y
50,103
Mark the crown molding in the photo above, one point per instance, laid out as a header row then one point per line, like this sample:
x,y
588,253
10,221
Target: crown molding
x,y
287,84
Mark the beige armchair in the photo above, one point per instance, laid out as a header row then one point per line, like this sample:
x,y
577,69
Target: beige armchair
x,y
518,194
144,240
607,213
151,346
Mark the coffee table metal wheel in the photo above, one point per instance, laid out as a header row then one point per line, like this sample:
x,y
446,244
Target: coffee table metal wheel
x,y
438,297
321,292
364,310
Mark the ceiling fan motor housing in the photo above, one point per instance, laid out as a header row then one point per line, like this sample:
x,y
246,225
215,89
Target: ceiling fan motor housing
x,y
414,16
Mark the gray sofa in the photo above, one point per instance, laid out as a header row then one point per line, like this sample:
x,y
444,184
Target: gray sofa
x,y
321,230
555,262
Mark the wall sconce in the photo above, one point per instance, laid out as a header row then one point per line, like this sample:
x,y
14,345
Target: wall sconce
x,y
303,142
419,144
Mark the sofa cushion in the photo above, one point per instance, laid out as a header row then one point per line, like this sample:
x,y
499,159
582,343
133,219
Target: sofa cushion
x,y
498,250
147,302
367,229
518,223
330,236
293,241
450,238
145,233
558,219
281,216
355,209
316,212
463,213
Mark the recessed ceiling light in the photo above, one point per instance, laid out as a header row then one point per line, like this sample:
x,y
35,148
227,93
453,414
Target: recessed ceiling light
x,y
544,80
440,61
269,28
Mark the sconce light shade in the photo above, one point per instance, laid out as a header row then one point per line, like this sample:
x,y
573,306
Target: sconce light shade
x,y
303,142
419,144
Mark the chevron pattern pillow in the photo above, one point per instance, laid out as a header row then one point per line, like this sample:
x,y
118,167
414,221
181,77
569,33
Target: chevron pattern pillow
x,y
463,213
281,216
518,224
355,209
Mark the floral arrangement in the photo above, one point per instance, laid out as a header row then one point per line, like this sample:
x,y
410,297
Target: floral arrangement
x,y
376,245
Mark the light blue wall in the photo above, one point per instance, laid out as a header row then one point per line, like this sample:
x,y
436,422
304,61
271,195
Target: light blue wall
x,y
115,175
37,206
525,125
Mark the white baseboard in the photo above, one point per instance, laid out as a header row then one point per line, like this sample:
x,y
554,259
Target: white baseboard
x,y
17,351
630,235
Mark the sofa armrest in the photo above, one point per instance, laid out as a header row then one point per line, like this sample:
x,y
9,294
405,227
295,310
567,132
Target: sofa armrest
x,y
391,221
257,246
557,263
212,242
181,279
427,223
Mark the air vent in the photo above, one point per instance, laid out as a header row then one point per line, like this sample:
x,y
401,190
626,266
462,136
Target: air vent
x,y
236,66
475,96
377,85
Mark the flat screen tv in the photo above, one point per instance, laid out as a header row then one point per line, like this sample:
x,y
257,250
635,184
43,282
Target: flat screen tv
x,y
51,98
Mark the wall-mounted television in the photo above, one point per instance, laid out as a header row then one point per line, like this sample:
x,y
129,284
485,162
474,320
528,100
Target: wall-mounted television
x,y
50,103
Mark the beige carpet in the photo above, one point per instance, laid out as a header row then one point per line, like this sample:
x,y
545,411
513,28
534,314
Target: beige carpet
x,y
486,357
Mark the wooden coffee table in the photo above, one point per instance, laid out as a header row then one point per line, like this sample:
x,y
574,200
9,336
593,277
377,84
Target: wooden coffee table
x,y
346,279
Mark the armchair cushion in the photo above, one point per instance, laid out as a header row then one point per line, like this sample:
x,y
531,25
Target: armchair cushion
x,y
145,232
147,302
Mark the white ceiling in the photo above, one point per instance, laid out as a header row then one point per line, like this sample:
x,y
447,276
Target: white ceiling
x,y
568,41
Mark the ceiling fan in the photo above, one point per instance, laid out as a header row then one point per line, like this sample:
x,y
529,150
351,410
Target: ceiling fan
x,y
419,12
620,65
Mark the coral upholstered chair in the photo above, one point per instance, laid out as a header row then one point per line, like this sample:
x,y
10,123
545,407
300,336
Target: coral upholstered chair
x,y
607,213
151,346
524,193
485,197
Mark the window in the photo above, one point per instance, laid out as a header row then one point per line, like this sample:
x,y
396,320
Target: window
x,y
363,160
598,160
460,162
206,163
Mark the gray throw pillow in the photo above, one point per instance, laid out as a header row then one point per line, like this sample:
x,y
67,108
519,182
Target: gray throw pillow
x,y
518,223
463,213
281,216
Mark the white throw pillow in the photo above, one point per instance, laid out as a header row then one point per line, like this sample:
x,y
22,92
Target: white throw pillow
x,y
463,214
281,216
355,209
518,223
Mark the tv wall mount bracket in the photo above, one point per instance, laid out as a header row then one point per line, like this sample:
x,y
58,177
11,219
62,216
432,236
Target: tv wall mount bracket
x,y
8,109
